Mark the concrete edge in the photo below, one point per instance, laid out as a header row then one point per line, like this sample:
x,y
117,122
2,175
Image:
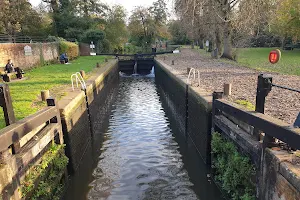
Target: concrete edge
x,y
201,95
75,98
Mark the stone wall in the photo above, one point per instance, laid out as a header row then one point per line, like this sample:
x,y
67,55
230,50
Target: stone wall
x,y
41,52
278,171
74,115
192,108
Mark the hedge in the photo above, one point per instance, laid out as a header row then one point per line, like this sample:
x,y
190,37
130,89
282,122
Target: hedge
x,y
70,48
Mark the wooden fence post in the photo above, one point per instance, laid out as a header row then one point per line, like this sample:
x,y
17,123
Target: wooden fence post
x,y
264,86
45,94
52,102
215,95
82,72
227,89
6,104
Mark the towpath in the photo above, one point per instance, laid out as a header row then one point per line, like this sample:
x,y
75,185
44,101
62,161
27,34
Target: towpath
x,y
281,104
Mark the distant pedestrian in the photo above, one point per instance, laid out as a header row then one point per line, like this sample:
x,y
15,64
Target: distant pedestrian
x,y
9,68
63,58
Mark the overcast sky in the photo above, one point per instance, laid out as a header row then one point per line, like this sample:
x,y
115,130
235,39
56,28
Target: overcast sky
x,y
128,4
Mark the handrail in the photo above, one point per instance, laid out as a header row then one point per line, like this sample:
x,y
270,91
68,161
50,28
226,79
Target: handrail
x,y
14,132
269,125
78,78
193,70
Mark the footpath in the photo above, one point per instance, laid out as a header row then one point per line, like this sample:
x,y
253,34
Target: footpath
x,y
281,104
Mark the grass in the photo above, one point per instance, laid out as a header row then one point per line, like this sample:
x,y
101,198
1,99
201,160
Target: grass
x,y
25,94
258,58
246,103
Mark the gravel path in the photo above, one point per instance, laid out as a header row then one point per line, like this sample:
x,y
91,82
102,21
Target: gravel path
x,y
281,104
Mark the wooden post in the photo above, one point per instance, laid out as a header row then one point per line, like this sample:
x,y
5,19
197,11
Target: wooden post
x,y
227,89
264,86
173,62
82,73
52,102
98,65
45,94
6,104
188,70
106,60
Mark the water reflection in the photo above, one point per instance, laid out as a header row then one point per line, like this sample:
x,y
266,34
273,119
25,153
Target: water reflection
x,y
136,154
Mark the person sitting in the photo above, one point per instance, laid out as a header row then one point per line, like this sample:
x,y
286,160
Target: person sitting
x,y
63,58
9,68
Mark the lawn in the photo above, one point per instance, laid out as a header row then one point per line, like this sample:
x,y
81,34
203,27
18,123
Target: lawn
x,y
25,94
258,58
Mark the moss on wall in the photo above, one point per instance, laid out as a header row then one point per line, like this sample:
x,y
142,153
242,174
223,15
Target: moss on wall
x,y
232,170
44,179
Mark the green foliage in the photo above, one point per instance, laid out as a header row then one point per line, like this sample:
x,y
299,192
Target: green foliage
x,y
115,28
246,103
232,169
52,77
47,173
70,48
148,24
179,35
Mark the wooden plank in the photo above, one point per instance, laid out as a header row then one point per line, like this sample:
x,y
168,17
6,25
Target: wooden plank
x,y
16,131
36,145
6,103
245,141
269,125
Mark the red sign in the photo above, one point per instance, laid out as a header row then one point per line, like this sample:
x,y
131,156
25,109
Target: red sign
x,y
274,56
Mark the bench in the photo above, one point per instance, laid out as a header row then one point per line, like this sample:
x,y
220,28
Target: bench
x,y
7,77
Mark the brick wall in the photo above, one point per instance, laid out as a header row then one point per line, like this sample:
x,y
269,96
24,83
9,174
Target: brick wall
x,y
41,52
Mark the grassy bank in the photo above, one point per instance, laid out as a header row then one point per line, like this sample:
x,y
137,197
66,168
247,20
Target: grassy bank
x,y
25,94
258,58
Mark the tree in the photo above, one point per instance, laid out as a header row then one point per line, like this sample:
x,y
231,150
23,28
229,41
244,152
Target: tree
x,y
179,34
115,27
14,18
286,19
217,19
148,24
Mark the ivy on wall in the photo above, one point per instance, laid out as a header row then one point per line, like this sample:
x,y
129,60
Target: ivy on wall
x,y
43,179
232,170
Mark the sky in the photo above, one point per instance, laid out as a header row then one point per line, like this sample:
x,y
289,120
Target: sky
x,y
128,4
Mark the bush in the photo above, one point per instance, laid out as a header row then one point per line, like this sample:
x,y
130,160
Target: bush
x,y
70,48
232,169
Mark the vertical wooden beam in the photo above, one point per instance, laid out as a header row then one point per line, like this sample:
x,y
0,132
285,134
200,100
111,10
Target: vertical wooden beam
x,y
264,86
82,72
52,102
227,89
45,94
6,104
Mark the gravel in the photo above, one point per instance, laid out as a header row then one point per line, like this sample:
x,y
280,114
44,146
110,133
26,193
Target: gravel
x,y
281,104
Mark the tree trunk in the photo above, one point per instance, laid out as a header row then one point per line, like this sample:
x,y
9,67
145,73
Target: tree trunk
x,y
218,41
227,53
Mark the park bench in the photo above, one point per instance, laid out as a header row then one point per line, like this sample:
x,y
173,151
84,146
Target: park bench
x,y
7,77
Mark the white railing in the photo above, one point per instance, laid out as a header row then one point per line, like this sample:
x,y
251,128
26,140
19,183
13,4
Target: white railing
x,y
78,79
193,72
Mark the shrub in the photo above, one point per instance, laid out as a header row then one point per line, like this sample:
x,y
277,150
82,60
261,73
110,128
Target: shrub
x,y
233,170
70,48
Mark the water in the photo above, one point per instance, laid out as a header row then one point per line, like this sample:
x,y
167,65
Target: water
x,y
136,154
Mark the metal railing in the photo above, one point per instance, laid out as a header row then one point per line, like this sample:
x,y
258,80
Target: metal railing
x,y
79,79
193,72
